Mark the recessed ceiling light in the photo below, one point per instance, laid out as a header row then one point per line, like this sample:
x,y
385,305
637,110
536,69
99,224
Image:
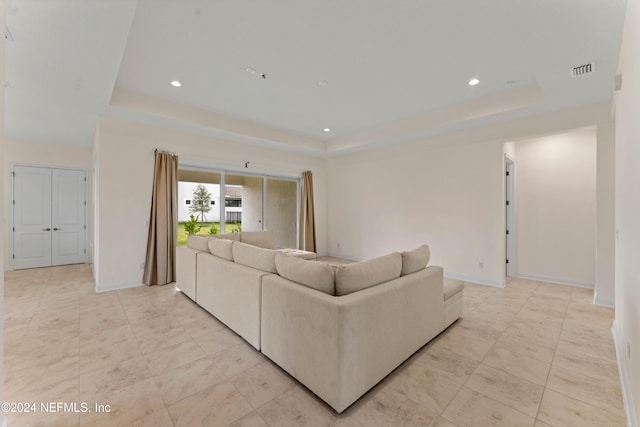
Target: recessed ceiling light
x,y
323,83
473,82
176,83
250,70
327,130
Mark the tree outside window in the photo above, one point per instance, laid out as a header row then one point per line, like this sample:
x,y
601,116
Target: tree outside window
x,y
200,202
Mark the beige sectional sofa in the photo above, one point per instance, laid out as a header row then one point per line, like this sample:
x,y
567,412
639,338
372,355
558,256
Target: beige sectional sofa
x,y
337,330
223,274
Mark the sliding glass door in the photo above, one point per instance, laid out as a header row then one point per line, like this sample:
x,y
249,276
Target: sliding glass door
x,y
238,202
245,208
282,211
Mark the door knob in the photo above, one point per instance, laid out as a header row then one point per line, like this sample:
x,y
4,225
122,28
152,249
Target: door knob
x,y
57,229
46,229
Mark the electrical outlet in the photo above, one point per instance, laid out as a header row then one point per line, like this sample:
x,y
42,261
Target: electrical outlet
x,y
481,264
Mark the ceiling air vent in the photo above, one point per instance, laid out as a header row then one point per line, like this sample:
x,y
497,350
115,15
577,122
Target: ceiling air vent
x,y
583,69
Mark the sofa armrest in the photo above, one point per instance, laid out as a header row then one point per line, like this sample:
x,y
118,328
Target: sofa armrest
x,y
186,270
232,293
340,347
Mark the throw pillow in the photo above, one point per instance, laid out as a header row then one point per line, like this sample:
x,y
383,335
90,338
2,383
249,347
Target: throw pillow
x,y
199,243
312,274
361,275
227,236
221,248
254,257
415,260
263,239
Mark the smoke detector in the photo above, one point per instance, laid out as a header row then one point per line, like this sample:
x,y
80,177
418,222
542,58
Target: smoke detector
x,y
583,69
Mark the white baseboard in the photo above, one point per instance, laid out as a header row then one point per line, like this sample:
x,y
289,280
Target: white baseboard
x,y
624,378
495,284
117,287
604,302
557,280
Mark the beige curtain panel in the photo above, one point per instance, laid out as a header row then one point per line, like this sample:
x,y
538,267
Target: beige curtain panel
x,y
160,263
307,215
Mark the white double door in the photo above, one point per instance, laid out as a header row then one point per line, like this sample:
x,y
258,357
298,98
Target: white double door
x,y
49,217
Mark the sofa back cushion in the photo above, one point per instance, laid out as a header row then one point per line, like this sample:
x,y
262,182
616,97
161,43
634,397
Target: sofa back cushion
x,y
227,236
361,275
254,257
415,260
313,274
221,248
199,243
262,239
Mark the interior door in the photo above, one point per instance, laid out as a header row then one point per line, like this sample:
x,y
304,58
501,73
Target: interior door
x,y
49,220
32,217
68,206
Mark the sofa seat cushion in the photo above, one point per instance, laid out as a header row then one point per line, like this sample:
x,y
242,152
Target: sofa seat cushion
x,y
199,243
221,248
415,260
361,275
254,257
262,239
452,287
315,275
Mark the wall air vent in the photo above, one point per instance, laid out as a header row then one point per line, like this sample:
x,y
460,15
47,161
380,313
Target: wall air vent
x,y
583,69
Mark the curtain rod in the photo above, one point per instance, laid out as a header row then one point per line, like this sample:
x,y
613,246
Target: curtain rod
x,y
155,150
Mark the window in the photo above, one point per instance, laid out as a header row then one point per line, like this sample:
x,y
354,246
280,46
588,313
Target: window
x,y
238,202
234,217
235,203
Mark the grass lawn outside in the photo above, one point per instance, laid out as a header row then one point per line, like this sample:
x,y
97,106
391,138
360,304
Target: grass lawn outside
x,y
204,230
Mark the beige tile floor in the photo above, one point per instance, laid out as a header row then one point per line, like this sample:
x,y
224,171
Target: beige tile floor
x,y
532,354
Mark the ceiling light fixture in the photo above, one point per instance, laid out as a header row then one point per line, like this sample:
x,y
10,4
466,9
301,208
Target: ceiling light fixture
x,y
250,70
473,82
327,130
176,83
323,83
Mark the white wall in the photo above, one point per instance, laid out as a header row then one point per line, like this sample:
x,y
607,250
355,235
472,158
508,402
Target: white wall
x,y
627,184
604,292
124,182
53,155
95,205
448,196
556,207
3,233
509,149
